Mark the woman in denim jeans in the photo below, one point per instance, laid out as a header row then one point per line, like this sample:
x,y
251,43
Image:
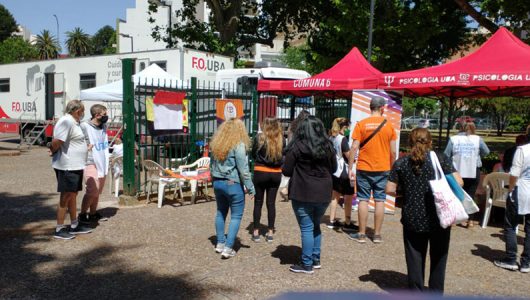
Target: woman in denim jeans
x,y
231,177
310,161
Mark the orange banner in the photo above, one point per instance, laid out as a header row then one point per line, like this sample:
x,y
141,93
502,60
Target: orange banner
x,y
226,109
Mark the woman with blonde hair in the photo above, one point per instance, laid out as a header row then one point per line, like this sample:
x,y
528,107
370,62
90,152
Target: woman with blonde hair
x,y
231,176
267,154
466,149
341,181
421,226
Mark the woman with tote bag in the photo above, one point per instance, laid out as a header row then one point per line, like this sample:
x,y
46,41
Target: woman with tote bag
x,y
421,225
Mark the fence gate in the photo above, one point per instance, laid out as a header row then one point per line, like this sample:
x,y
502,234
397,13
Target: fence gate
x,y
171,148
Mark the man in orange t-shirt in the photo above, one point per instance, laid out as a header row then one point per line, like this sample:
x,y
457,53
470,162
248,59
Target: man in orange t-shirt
x,y
374,162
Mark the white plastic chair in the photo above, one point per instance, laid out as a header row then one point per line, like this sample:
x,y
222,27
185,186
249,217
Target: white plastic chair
x,y
496,192
202,163
155,174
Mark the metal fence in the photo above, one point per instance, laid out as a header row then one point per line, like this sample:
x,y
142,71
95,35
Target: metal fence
x,y
171,148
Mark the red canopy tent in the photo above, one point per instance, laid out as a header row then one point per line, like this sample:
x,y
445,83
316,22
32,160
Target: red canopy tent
x,y
500,67
351,72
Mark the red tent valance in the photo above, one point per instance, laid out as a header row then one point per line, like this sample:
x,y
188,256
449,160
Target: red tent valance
x,y
351,72
500,67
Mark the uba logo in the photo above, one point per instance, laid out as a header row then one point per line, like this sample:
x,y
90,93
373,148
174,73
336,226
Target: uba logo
x,y
206,64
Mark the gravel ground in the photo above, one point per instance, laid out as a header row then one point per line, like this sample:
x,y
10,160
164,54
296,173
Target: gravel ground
x,y
146,252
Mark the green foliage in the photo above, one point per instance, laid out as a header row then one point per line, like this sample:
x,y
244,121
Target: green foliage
x,y
236,24
419,105
78,42
47,45
502,109
296,58
8,25
102,41
407,34
15,49
511,14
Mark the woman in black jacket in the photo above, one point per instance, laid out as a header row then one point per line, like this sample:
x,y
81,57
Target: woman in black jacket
x,y
267,152
310,161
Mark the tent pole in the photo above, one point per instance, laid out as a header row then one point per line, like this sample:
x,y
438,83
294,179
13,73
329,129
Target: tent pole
x,y
440,127
450,115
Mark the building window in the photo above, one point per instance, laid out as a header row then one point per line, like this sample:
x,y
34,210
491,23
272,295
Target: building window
x,y
87,81
162,64
4,85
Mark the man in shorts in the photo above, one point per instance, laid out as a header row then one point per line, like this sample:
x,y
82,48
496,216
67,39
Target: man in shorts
x,y
69,151
97,164
377,153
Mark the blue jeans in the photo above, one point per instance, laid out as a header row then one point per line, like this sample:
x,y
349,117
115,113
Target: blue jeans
x,y
511,220
308,215
228,195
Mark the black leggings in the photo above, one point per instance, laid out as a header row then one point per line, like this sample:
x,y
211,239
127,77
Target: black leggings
x,y
415,255
266,182
470,186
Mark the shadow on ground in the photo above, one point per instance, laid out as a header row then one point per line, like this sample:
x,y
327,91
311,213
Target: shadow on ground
x,y
30,272
288,255
386,280
487,252
237,244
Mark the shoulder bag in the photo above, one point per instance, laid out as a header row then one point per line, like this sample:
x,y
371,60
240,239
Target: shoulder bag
x,y
448,207
373,134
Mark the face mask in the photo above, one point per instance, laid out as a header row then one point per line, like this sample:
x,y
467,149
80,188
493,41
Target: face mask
x,y
347,132
104,119
81,116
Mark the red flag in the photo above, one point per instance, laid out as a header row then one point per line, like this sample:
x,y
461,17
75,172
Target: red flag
x,y
167,97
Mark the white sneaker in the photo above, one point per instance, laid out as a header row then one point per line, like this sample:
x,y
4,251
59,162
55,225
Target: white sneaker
x,y
219,247
228,252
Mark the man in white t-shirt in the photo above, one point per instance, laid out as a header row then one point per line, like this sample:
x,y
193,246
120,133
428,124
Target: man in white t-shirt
x,y
518,206
69,151
97,163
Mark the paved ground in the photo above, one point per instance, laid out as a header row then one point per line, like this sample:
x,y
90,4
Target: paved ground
x,y
146,252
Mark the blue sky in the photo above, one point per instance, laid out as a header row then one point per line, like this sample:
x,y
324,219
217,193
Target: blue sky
x,y
89,15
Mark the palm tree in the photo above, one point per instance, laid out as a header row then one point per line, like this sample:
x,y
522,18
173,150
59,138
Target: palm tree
x,y
47,45
78,42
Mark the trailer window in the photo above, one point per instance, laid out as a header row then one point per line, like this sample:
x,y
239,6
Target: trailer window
x,y
162,64
87,81
4,85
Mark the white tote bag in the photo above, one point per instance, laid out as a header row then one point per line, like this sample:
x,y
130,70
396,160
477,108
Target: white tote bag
x,y
448,207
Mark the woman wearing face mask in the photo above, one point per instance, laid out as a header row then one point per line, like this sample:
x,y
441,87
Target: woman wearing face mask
x,y
97,164
341,182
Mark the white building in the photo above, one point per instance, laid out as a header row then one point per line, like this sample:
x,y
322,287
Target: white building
x,y
139,30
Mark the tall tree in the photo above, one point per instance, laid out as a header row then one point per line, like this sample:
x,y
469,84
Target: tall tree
x,y
240,23
406,35
47,45
102,41
8,25
78,42
15,49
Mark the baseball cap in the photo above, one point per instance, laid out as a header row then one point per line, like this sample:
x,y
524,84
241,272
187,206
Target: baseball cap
x,y
377,102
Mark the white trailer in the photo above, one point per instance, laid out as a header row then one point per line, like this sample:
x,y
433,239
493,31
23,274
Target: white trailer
x,y
34,93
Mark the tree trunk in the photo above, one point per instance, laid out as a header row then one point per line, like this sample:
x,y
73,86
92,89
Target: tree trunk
x,y
477,16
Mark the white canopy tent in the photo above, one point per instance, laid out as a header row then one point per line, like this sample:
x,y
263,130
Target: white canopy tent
x,y
113,92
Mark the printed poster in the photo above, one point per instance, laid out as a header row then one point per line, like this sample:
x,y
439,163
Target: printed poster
x,y
226,109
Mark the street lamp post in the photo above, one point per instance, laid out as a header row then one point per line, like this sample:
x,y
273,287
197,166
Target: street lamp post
x,y
370,29
129,37
58,38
